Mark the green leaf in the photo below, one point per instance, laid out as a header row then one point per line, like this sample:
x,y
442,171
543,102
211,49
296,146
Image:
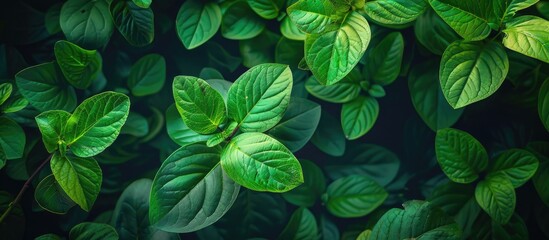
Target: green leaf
x,y
51,125
135,23
258,98
142,3
79,66
469,18
147,75
543,9
354,196
359,116
543,104
528,35
209,73
311,16
201,107
190,191
290,30
314,185
418,220
52,18
289,52
136,125
496,196
540,179
298,124
428,98
178,131
258,50
80,178
329,137
3,159
516,164
87,23
240,22
12,138
93,231
386,59
433,33
505,10
222,136
333,54
460,155
302,225
197,22
221,86
259,162
472,71
43,86
96,123
268,9
5,92
15,103
376,162
50,196
131,214
344,91
395,12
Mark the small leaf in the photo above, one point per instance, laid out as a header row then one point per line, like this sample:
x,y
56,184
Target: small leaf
x,y
12,138
142,3
136,125
359,116
147,75
87,23
50,196
197,22
344,91
302,225
79,66
314,185
386,59
80,178
134,22
5,92
311,16
222,136
543,104
516,164
93,231
395,12
460,155
496,196
178,131
528,35
259,162
354,196
240,22
267,9
51,125
469,18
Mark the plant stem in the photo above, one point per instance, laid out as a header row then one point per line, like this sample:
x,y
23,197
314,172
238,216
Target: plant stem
x,y
23,189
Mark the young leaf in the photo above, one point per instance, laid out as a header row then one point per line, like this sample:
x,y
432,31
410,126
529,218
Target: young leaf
x,y
12,138
386,59
516,164
433,33
79,66
290,30
222,136
201,107
267,9
469,18
496,196
178,131
258,98
190,190
472,71
93,231
328,137
460,155
543,104
333,54
311,16
298,124
528,35
147,75
51,125
314,185
395,12
359,116
259,162
86,23
302,225
42,85
197,22
50,196
344,91
240,22
354,196
135,23
5,92
428,98
418,220
96,123
80,178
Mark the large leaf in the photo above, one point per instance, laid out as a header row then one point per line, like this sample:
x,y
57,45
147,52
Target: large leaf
x,y
543,104
359,116
96,123
147,75
259,97
472,71
311,16
135,23
201,107
460,155
12,138
191,191
240,22
428,98
79,66
51,125
298,124
418,220
302,225
87,23
50,196
516,164
469,18
386,59
496,196
197,21
395,12
354,196
314,185
178,131
328,137
259,162
333,54
344,91
80,178
268,9
131,214
43,86
528,35
433,33
93,231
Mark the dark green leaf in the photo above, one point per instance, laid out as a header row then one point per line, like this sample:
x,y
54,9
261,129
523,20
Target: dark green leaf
x,y
543,104
93,231
359,116
302,225
79,66
197,22
354,196
386,59
50,196
329,137
314,185
240,22
433,33
135,23
87,23
147,75
268,9
12,138
178,131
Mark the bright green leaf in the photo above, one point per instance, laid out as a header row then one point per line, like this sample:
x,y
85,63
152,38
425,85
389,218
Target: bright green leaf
x,y
496,196
267,9
469,18
291,31
5,92
516,164
197,21
240,22
178,131
51,125
354,196
395,12
386,59
359,116
528,35
302,225
142,3
222,136
344,91
311,16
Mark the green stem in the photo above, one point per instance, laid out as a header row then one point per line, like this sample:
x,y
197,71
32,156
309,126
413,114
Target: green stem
x,y
23,189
